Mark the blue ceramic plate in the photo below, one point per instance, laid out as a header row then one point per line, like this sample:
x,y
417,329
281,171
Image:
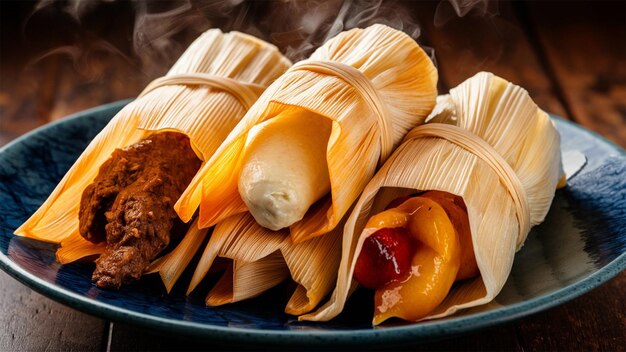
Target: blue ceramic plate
x,y
581,244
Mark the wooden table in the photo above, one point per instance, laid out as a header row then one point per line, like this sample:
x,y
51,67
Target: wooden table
x,y
570,56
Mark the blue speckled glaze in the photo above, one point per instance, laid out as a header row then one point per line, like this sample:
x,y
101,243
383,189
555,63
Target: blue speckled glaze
x,y
581,244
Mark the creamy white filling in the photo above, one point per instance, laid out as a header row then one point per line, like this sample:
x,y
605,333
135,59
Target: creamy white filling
x,y
274,205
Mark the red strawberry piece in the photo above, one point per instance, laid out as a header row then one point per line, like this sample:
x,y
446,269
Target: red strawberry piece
x,y
385,257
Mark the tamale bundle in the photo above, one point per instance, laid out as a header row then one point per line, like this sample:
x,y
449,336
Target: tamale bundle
x,y
125,182
285,177
489,162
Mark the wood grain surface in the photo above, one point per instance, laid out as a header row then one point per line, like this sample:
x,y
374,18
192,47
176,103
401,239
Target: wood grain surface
x,y
570,56
31,322
584,53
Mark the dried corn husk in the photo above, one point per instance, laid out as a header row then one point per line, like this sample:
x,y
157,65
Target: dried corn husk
x,y
171,266
226,242
244,280
75,247
204,95
311,264
507,189
257,262
374,84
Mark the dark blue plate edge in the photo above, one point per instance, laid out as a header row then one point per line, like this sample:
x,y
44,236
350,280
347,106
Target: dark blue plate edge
x,y
117,105
422,332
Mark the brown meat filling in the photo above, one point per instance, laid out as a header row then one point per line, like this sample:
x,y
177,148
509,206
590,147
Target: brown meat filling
x,y
130,205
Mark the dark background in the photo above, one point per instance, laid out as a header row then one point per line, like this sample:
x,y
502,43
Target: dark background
x,y
59,57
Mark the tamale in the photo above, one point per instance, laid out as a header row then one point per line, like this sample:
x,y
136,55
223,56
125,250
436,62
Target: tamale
x,y
373,84
488,143
204,95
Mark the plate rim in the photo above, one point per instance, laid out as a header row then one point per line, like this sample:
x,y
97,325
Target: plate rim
x,y
426,331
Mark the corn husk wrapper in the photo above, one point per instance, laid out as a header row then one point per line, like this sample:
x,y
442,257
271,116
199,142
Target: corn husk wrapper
x,y
275,257
172,265
204,95
244,280
257,263
503,116
375,84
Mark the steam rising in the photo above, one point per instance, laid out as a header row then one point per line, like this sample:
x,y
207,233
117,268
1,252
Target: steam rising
x,y
157,32
447,9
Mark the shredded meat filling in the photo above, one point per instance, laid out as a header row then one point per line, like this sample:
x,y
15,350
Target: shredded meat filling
x,y
130,205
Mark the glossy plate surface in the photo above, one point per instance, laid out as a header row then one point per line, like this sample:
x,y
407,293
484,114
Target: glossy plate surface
x,y
581,244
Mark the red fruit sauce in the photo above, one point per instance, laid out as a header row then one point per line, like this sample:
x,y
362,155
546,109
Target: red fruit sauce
x,y
385,258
